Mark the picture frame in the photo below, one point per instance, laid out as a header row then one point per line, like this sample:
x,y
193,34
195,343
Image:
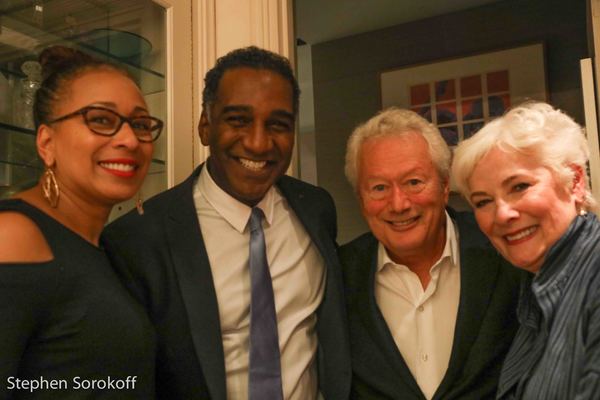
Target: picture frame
x,y
460,95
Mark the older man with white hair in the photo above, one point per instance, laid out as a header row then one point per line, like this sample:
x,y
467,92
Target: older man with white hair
x,y
431,304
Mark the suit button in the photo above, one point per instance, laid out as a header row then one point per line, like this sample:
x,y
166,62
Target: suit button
x,y
424,357
421,308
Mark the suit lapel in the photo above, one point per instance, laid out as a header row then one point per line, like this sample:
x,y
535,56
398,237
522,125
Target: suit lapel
x,y
478,275
333,349
376,325
194,276
315,229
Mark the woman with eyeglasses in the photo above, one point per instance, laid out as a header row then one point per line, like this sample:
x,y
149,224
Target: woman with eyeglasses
x,y
69,327
525,176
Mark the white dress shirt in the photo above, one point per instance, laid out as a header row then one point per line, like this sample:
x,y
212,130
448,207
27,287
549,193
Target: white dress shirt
x,y
298,275
422,321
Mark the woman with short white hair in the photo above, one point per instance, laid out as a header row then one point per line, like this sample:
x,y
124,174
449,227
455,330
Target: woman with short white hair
x,y
525,176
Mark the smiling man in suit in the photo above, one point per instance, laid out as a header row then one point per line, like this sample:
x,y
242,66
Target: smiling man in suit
x,y
190,257
431,305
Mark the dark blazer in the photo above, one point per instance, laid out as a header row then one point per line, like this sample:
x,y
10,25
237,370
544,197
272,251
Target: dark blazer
x,y
485,326
161,257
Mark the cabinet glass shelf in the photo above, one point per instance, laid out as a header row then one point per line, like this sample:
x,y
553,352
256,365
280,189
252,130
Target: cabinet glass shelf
x,y
20,166
83,25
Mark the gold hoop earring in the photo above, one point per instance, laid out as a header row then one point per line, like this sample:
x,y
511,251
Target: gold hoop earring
x,y
139,204
50,188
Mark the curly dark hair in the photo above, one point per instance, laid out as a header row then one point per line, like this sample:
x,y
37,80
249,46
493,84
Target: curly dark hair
x,y
60,66
248,57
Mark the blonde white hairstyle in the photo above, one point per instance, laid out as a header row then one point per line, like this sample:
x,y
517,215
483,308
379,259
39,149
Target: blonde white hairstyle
x,y
397,122
536,130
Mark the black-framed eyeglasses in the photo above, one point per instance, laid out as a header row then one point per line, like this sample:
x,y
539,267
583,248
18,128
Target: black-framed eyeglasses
x,y
106,122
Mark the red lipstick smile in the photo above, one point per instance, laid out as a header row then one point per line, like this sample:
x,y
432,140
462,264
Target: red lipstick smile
x,y
121,167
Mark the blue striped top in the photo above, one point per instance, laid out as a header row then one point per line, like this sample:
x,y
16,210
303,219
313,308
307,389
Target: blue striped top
x,y
556,352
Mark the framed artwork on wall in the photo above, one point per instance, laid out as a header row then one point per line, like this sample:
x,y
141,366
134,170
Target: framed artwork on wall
x,y
460,95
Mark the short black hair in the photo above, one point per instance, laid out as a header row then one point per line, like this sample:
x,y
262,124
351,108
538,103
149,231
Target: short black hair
x,y
248,57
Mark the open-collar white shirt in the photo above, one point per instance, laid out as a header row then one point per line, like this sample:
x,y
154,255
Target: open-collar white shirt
x,y
422,321
298,276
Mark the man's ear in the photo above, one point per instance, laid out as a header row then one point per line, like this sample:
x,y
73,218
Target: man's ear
x,y
45,145
446,190
578,183
204,128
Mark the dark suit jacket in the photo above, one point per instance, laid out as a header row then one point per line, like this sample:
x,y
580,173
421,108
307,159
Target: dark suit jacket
x,y
161,257
485,326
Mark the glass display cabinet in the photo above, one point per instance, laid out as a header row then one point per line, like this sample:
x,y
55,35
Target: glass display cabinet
x,y
131,33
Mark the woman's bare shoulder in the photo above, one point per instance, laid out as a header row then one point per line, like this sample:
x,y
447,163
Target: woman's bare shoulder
x,y
21,241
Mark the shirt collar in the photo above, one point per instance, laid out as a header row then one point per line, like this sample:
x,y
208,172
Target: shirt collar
x,y
450,248
546,289
230,209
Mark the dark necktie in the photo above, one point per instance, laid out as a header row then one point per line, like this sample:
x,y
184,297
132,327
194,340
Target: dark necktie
x,y
264,380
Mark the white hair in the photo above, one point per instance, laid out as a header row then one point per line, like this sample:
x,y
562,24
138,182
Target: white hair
x,y
397,122
534,129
